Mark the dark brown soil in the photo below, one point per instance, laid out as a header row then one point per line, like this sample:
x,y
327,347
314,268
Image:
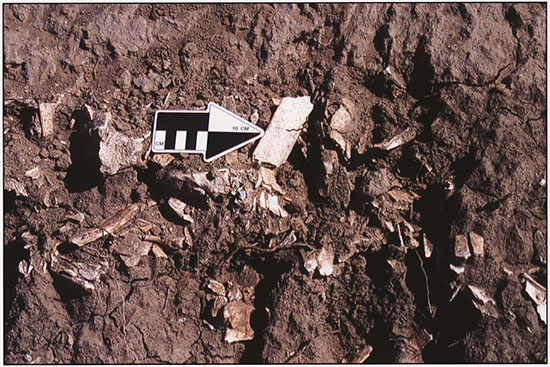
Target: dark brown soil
x,y
469,80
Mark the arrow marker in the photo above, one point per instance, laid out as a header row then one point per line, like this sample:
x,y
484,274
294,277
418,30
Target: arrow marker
x,y
213,132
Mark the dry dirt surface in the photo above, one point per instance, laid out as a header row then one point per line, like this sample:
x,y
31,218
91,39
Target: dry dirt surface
x,y
408,223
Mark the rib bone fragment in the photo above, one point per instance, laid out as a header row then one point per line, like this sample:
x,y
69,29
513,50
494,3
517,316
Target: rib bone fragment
x,y
110,226
400,139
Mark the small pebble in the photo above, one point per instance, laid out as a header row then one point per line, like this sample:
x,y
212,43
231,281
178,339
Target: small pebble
x,y
377,182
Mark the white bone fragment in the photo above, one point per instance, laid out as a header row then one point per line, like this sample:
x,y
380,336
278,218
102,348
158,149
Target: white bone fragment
x,y
340,124
188,238
178,207
116,150
254,117
119,220
479,294
541,310
325,259
477,243
283,130
428,246
233,292
216,287
456,289
158,252
47,113
401,242
271,202
289,239
400,139
269,180
482,302
33,173
81,274
389,225
162,159
310,265
362,355
238,313
457,269
536,291
11,184
220,181
413,242
341,120
342,142
78,217
25,268
219,302
461,247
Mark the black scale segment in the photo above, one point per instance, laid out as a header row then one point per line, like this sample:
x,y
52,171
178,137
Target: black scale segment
x,y
221,141
192,122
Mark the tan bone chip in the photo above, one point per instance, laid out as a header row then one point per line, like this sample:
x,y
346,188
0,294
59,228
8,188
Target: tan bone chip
x,y
478,244
178,207
216,287
462,252
238,313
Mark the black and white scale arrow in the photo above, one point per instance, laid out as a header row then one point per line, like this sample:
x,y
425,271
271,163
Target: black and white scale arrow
x,y
213,132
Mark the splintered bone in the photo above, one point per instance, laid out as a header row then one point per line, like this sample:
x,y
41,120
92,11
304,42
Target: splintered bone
x,y
110,226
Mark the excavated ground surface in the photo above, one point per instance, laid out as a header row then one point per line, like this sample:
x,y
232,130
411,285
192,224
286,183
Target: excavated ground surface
x,y
468,80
